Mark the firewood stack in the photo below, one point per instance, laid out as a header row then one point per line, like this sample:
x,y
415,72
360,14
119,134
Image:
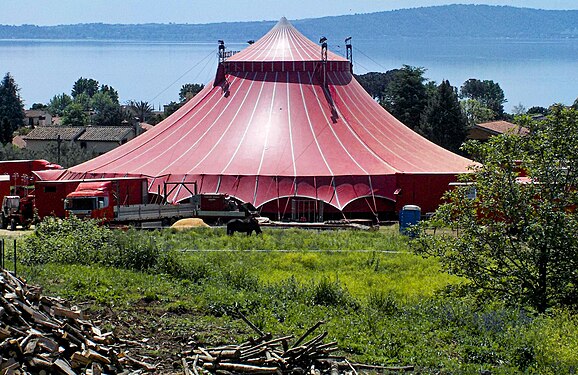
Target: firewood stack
x,y
39,335
265,354
268,355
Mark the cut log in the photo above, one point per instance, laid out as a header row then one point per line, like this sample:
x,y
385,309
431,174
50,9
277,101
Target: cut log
x,y
61,367
237,367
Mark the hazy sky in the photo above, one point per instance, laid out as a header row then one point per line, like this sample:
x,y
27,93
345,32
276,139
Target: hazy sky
x,y
54,12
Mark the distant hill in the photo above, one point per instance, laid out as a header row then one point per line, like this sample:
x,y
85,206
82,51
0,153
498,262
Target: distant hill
x,y
463,21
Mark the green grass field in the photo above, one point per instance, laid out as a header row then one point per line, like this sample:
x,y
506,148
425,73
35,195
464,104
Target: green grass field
x,y
381,303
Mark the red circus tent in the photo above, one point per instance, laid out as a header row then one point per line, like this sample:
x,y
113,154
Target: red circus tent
x,y
284,123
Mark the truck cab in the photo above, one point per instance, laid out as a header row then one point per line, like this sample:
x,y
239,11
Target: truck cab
x,y
91,200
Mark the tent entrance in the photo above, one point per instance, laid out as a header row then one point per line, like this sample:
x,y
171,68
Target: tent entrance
x,y
306,210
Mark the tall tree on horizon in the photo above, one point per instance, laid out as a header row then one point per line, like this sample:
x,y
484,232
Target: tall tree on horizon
x,y
487,92
443,121
406,95
11,108
375,83
86,86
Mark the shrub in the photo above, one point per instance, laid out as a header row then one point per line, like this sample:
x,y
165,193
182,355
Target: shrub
x,y
69,241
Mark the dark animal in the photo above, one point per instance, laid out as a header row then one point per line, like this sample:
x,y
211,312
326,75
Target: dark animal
x,y
247,225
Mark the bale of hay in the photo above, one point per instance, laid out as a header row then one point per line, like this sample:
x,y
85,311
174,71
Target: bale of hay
x,y
193,222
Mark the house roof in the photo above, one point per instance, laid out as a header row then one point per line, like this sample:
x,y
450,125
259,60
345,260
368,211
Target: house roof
x,y
502,127
51,133
19,141
35,113
106,133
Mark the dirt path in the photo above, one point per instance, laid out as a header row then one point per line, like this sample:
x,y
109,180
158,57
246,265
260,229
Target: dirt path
x,y
5,233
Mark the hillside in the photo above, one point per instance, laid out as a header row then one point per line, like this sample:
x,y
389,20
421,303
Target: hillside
x,y
472,21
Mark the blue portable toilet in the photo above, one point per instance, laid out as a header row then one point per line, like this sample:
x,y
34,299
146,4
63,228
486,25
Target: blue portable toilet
x,y
409,215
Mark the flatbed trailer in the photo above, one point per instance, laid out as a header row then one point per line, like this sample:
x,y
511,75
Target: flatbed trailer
x,y
166,213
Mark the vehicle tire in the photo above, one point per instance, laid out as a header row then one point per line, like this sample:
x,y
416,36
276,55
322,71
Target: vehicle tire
x,y
13,224
3,222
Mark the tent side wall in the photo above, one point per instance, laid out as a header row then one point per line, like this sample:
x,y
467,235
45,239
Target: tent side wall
x,y
423,190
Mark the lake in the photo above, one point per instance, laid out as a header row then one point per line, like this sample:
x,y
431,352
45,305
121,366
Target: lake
x,y
533,73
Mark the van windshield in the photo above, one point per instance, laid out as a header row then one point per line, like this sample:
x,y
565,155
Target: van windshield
x,y
73,204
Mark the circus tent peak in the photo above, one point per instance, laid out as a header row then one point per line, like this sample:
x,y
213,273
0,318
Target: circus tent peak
x,y
280,122
283,43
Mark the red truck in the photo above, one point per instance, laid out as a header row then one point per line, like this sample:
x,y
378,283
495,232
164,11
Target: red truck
x,y
100,199
125,201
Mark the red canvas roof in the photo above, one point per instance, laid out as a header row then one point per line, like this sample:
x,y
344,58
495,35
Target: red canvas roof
x,y
271,128
283,43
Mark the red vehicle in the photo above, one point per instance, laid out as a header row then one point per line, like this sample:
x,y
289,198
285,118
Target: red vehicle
x,y
17,191
17,211
25,167
50,196
125,201
99,199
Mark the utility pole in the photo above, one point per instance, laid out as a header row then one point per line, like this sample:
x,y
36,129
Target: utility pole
x,y
58,143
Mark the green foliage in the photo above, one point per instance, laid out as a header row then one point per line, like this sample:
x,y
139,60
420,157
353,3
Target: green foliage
x,y
74,115
132,252
106,110
86,86
487,92
142,110
476,112
189,90
381,307
171,108
436,333
88,100
11,109
405,97
518,240
70,241
59,103
443,121
537,110
376,83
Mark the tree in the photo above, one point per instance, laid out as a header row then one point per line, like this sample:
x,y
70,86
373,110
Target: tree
x,y
39,106
86,86
11,108
518,239
189,90
84,101
111,92
537,110
487,92
58,104
406,96
171,108
443,121
375,83
106,112
476,112
519,109
142,110
74,115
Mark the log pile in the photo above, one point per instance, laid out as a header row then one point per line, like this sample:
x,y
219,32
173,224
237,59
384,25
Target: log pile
x,y
41,335
268,355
